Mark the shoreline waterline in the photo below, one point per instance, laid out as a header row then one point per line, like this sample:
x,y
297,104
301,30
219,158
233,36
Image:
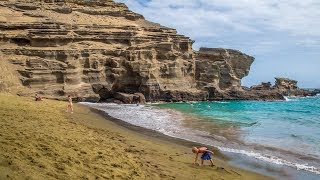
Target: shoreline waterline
x,y
40,141
268,153
226,150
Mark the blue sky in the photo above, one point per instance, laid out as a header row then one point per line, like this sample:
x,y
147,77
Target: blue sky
x,y
283,35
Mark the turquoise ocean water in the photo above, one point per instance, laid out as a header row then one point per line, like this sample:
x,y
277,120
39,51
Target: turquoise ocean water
x,y
281,136
280,132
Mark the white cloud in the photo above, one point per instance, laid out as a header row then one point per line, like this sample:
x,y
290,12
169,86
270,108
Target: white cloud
x,y
312,43
293,16
272,30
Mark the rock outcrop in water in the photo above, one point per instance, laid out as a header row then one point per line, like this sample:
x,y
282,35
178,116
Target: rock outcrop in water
x,y
285,84
289,87
100,50
283,87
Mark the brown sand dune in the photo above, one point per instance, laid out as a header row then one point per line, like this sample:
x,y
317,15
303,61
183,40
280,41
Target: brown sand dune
x,y
39,140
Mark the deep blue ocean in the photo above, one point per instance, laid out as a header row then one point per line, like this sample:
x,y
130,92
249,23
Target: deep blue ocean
x,y
282,133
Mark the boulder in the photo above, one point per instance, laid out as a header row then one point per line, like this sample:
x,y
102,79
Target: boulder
x,y
136,98
262,86
141,99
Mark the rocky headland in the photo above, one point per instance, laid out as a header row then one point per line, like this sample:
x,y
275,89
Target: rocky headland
x,y
101,51
282,87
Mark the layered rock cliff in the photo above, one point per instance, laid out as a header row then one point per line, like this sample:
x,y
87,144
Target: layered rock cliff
x,y
94,50
100,50
219,71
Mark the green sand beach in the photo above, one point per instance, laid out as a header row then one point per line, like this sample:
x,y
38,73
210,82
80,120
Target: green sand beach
x,y
39,140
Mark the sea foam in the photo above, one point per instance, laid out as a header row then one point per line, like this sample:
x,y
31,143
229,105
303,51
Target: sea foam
x,y
273,159
169,122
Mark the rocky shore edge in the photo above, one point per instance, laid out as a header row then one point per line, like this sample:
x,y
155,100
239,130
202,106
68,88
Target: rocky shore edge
x,y
282,89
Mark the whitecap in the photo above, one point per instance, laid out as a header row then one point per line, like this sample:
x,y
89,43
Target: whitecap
x,y
273,159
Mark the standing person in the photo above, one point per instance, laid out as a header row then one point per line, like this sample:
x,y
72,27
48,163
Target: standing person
x,y
70,105
206,154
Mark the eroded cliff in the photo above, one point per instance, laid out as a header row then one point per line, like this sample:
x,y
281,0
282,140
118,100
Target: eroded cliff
x,y
284,87
96,50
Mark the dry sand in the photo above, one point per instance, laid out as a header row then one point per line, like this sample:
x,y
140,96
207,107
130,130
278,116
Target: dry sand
x,y
39,140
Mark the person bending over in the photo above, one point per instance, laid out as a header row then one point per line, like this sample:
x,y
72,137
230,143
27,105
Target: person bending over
x,y
206,154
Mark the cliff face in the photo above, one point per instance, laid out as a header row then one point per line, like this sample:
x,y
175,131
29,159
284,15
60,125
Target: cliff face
x,y
93,50
221,69
284,84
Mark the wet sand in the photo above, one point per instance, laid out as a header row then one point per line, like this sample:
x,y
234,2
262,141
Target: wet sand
x,y
39,140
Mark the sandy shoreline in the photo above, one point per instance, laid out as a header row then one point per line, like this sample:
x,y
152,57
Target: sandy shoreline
x,y
39,140
148,133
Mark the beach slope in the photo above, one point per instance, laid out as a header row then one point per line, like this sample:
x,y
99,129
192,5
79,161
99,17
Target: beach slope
x,y
39,140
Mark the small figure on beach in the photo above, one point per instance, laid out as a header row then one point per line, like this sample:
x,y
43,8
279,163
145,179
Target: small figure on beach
x,y
37,97
70,105
206,154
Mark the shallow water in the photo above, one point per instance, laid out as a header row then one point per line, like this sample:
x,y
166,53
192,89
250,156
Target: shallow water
x,y
280,133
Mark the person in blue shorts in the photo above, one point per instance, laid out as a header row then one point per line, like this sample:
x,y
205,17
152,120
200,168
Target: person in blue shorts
x,y
206,154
